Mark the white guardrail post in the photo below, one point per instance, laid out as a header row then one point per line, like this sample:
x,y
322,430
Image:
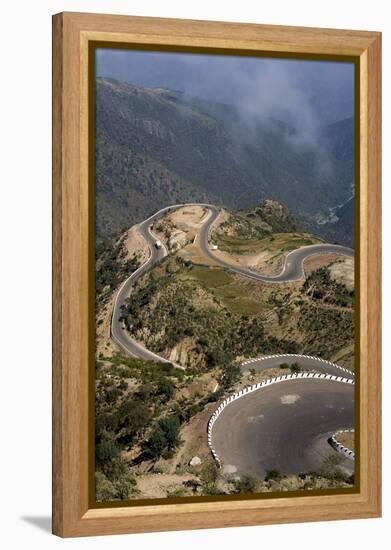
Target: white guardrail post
x,y
348,453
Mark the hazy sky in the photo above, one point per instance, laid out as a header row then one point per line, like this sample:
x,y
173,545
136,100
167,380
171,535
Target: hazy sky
x,y
303,93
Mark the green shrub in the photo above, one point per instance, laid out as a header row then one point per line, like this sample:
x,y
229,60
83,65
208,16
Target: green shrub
x,y
125,487
273,475
121,488
164,438
246,484
230,376
295,368
209,473
104,488
106,451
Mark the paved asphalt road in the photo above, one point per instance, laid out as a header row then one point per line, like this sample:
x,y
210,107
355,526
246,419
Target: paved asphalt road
x,y
284,427
119,334
306,363
259,432
293,270
293,267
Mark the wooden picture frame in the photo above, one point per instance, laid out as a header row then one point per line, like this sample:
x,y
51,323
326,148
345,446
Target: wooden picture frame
x,y
73,514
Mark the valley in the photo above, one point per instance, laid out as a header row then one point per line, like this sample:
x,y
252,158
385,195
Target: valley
x,y
157,146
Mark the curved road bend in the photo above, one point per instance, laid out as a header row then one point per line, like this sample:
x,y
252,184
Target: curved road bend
x,y
305,362
284,427
118,332
293,269
288,428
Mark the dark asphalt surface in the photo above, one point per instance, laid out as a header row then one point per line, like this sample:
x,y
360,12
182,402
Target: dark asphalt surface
x,y
293,267
284,426
305,363
258,432
119,334
293,270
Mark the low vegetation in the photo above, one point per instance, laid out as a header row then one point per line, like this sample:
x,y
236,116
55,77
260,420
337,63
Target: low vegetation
x,y
140,410
326,329
131,396
218,320
277,244
265,219
268,227
206,320
212,481
111,267
171,309
321,288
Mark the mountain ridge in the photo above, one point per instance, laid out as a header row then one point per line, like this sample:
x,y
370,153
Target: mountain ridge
x,y
157,146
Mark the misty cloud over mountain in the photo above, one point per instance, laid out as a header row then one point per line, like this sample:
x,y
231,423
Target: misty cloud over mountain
x,y
302,93
155,147
284,127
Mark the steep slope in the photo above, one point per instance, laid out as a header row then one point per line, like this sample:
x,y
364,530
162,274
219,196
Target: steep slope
x,y
156,146
266,218
341,227
259,238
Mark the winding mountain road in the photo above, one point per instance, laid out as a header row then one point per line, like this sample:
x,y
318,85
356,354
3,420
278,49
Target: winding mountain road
x,y
118,331
117,328
286,426
293,270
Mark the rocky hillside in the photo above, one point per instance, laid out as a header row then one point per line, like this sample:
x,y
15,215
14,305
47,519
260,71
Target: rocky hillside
x,y
341,228
265,219
260,237
202,317
156,147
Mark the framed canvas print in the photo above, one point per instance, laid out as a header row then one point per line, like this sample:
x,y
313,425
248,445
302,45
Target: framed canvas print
x,y
216,233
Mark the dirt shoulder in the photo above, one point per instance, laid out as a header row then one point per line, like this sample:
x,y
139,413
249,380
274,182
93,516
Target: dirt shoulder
x,y
343,271
136,245
320,260
180,227
161,485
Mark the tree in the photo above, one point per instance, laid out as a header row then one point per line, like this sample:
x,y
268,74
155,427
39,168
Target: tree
x,y
209,476
170,426
106,451
144,392
230,376
165,390
164,437
107,489
125,487
156,443
133,416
